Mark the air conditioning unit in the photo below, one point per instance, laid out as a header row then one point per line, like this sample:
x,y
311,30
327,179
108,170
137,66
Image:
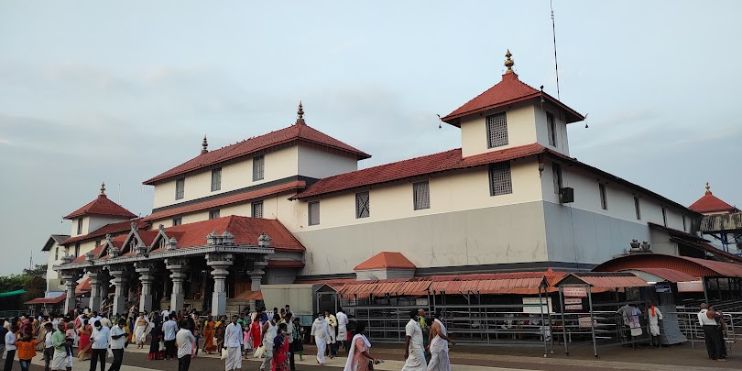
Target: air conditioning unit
x,y
566,195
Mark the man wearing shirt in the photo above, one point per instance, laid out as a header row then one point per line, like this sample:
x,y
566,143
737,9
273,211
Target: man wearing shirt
x,y
118,340
169,330
10,346
414,350
100,339
184,339
233,343
48,346
342,337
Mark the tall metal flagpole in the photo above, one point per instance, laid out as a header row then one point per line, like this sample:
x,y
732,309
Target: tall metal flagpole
x,y
553,34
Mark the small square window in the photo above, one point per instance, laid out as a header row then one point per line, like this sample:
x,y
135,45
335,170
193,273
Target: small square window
x,y
500,180
258,168
421,195
497,130
213,214
216,179
314,213
179,188
177,221
363,209
256,209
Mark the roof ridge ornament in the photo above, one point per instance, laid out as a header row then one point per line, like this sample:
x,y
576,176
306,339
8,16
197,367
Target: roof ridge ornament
x,y
300,115
509,63
204,145
708,188
103,188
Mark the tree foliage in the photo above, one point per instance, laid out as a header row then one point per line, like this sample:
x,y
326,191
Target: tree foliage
x,y
33,280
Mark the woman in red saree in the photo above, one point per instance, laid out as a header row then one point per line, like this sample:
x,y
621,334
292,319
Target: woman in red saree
x,y
209,332
83,349
255,330
280,361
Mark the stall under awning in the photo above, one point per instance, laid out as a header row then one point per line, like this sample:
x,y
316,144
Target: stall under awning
x,y
52,301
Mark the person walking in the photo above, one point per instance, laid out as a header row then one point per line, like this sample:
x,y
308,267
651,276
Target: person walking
x,y
118,341
10,346
59,356
270,329
169,330
233,345
342,338
708,323
439,360
154,339
26,349
101,337
48,346
332,324
86,331
185,341
654,316
281,343
359,357
414,353
141,328
321,333
287,319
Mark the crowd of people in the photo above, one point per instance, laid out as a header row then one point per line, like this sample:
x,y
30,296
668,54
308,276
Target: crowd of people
x,y
276,337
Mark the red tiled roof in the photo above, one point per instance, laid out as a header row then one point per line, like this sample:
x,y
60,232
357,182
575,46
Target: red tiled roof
x,y
227,200
101,206
298,132
44,300
691,266
708,203
670,275
510,90
386,259
430,164
112,228
607,280
411,287
83,286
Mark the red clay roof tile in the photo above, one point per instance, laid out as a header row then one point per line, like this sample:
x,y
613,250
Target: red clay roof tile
x,y
101,206
708,203
296,133
386,260
113,229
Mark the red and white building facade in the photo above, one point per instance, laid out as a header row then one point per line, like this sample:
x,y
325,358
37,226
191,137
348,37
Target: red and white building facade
x,y
292,206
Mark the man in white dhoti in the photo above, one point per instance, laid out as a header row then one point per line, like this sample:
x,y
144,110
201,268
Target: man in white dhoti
x,y
655,316
59,358
233,343
321,333
142,327
439,360
332,324
342,337
414,350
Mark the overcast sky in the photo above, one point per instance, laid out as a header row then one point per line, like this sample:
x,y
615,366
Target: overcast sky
x,y
93,92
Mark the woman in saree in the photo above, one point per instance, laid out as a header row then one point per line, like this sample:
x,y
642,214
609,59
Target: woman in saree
x,y
209,333
141,328
154,341
280,360
359,358
83,352
255,331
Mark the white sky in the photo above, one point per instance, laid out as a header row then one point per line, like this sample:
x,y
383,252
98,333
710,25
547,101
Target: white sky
x,y
93,92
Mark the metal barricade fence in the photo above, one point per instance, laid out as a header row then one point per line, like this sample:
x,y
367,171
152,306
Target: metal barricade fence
x,y
691,328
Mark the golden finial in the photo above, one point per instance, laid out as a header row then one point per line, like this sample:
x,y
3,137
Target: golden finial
x,y
708,188
508,61
204,145
103,189
300,114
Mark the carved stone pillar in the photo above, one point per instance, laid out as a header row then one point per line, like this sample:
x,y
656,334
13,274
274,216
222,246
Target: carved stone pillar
x,y
220,264
95,288
177,268
70,281
119,279
146,277
256,278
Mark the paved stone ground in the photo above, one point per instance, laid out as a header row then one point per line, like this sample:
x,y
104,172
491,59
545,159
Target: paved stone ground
x,y
471,358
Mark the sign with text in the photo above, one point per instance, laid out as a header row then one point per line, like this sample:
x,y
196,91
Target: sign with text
x,y
574,291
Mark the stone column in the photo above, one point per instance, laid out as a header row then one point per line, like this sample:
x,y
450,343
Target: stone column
x,y
118,273
95,291
256,278
70,281
177,268
146,277
220,264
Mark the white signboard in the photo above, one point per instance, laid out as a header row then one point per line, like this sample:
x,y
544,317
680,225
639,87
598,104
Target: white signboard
x,y
531,305
568,301
690,286
575,291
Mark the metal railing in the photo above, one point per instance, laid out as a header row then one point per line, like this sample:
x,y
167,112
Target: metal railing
x,y
693,331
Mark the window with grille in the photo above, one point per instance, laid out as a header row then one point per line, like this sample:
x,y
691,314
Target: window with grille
x,y
551,125
497,130
177,221
362,205
500,181
56,253
556,172
603,200
314,213
684,226
258,167
216,179
77,249
637,208
664,217
256,209
79,226
213,214
179,188
421,195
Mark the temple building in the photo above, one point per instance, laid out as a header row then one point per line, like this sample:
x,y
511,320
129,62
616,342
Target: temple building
x,y
292,206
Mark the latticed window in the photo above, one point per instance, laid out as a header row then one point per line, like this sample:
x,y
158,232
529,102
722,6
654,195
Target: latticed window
x,y
257,209
497,130
421,195
500,181
258,167
551,125
314,213
216,179
362,205
213,214
179,188
556,177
